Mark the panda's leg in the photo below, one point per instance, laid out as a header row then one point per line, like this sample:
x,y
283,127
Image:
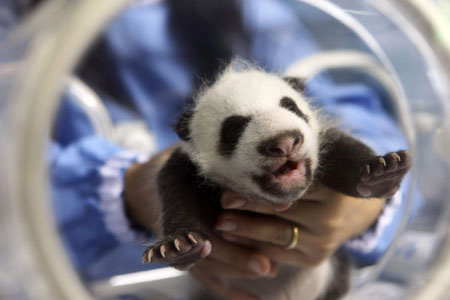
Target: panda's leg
x,y
351,167
188,213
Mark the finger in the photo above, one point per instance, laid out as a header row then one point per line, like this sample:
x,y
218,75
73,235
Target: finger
x,y
319,203
323,217
273,230
315,256
308,213
315,219
240,257
218,287
221,269
304,212
232,200
319,218
262,228
320,193
294,257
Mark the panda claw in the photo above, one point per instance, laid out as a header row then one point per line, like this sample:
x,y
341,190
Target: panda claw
x,y
382,161
162,250
192,238
176,243
147,258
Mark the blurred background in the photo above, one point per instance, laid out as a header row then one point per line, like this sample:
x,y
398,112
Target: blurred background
x,y
89,87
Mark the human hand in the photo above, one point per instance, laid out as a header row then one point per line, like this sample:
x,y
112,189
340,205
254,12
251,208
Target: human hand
x,y
325,218
231,261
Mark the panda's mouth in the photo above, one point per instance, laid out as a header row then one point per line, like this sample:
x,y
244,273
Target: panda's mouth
x,y
290,173
287,181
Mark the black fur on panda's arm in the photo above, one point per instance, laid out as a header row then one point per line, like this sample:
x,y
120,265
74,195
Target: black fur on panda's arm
x,y
189,209
346,164
341,157
188,200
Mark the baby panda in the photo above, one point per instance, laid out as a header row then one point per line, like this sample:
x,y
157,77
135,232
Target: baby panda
x,y
255,133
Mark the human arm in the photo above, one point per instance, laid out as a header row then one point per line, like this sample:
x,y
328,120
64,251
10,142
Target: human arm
x,y
141,193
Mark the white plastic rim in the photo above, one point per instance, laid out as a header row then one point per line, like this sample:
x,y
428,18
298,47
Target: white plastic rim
x,y
54,51
57,44
92,106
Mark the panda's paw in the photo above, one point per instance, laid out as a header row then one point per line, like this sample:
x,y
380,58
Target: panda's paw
x,y
181,250
381,176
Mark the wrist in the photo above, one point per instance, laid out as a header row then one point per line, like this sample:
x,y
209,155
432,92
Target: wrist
x,y
141,197
136,196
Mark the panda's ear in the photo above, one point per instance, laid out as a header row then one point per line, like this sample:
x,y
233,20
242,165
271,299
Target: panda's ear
x,y
182,125
296,83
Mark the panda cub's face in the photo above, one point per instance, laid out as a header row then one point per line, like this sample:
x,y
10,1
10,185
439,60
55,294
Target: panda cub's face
x,y
253,133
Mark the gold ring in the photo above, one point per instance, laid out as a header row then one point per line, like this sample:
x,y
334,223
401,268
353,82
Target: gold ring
x,y
294,238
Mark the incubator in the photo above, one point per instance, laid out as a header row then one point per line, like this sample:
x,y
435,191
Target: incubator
x,y
402,46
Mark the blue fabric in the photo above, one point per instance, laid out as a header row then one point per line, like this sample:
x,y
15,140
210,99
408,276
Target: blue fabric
x,y
72,122
278,37
74,182
75,174
149,71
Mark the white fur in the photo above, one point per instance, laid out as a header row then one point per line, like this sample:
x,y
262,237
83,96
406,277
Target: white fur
x,y
248,92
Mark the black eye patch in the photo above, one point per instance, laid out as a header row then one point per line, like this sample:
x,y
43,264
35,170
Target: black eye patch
x,y
231,132
290,105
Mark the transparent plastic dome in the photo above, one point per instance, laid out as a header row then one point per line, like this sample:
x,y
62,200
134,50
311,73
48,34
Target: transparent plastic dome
x,y
403,45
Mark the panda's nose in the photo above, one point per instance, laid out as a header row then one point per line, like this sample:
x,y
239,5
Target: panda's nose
x,y
282,146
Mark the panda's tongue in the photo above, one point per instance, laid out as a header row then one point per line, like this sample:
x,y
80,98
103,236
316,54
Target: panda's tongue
x,y
289,171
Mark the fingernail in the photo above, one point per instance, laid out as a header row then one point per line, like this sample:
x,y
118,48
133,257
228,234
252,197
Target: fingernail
x,y
282,207
363,190
226,225
206,250
229,237
255,266
233,203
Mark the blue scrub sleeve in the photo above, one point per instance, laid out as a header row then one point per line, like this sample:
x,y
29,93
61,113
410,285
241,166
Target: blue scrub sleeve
x,y
87,186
